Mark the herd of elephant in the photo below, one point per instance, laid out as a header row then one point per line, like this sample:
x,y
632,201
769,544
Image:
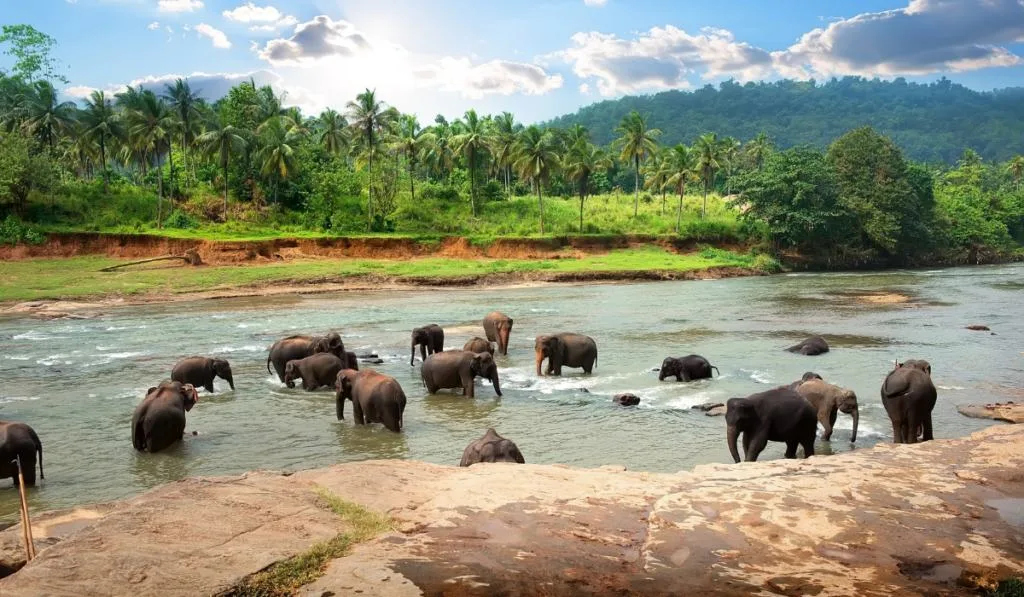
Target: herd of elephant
x,y
788,413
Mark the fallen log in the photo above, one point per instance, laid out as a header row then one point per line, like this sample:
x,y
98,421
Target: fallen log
x,y
190,257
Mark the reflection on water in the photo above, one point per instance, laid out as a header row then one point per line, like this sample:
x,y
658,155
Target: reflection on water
x,y
77,382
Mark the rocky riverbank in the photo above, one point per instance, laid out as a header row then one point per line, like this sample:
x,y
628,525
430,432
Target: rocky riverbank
x,y
944,517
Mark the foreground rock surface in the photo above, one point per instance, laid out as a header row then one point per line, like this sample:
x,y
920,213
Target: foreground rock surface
x,y
1009,412
940,518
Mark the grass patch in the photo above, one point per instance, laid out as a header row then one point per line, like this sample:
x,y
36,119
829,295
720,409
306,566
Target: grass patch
x,y
286,577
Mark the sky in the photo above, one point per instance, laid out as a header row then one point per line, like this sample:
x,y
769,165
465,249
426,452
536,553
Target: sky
x,y
537,59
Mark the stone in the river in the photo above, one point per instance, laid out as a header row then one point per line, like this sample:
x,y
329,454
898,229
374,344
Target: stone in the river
x,y
705,407
1009,412
978,328
626,399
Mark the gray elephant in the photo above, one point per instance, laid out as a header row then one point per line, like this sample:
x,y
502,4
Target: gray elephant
x,y
565,350
159,420
807,376
317,371
497,327
828,400
812,346
430,339
478,344
908,396
686,368
491,447
351,360
18,440
376,398
200,372
300,347
778,415
458,369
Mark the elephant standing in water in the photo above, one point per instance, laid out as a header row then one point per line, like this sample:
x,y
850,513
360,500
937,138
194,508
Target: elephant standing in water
x,y
458,369
497,327
778,415
19,441
376,398
159,420
300,347
686,368
828,400
430,339
565,350
908,396
200,372
478,345
812,346
491,447
317,371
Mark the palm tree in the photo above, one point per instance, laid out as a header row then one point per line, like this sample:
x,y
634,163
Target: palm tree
x,y
681,166
45,116
730,151
581,162
440,156
366,114
472,142
411,141
969,159
503,141
333,136
577,133
219,142
185,104
758,149
636,141
102,124
655,175
536,154
276,153
150,125
1016,169
709,160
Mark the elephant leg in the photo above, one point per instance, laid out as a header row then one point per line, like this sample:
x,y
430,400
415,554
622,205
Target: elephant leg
x,y
209,386
757,445
746,442
926,421
468,389
911,424
826,423
808,445
357,412
679,377
588,368
897,430
791,446
28,466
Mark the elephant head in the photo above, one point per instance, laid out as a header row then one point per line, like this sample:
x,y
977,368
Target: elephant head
x,y
343,390
189,395
921,364
483,365
419,336
740,416
503,328
847,404
551,348
669,367
331,343
223,370
291,373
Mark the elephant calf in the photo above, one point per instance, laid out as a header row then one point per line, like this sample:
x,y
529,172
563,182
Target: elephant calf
x,y
316,371
299,347
376,398
19,441
497,327
159,420
491,447
478,344
686,368
908,396
458,369
200,372
565,350
812,346
778,415
828,400
430,339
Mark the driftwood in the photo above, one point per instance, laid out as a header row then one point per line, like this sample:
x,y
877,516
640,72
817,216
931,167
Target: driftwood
x,y
190,257
26,522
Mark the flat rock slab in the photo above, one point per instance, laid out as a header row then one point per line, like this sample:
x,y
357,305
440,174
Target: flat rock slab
x,y
937,518
1009,412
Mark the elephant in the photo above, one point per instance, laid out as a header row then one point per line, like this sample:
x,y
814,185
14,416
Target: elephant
x,y
686,368
376,398
430,339
300,347
317,370
565,350
19,441
828,400
778,415
159,420
491,447
807,376
812,346
458,369
478,344
200,371
497,327
908,396
351,360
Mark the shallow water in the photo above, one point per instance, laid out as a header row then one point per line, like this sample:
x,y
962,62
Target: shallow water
x,y
77,381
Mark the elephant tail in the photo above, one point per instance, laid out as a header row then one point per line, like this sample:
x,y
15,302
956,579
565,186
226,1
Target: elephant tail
x,y
39,448
716,370
268,364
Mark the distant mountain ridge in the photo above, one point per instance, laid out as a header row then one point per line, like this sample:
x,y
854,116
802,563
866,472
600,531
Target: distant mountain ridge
x,y
932,122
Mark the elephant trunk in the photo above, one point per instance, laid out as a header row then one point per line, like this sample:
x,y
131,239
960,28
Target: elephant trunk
x,y
731,436
339,405
494,381
412,355
231,381
856,420
539,359
503,340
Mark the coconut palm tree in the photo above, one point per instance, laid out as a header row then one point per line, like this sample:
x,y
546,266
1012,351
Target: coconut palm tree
x,y
1016,169
680,163
636,141
46,117
150,124
758,149
185,104
276,153
536,156
730,151
577,133
102,124
581,162
220,141
503,141
472,143
655,175
440,155
366,115
333,135
709,160
411,141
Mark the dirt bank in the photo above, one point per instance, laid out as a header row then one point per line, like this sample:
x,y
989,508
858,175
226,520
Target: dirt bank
x,y
938,518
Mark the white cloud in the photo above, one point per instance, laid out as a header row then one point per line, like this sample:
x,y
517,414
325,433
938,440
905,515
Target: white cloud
x,y
179,5
153,26
216,36
211,86
595,2
251,13
584,89
283,22
79,91
500,77
316,39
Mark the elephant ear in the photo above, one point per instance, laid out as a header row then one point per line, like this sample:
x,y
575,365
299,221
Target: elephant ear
x,y
189,395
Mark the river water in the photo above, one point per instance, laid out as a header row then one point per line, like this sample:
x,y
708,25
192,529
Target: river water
x,y
78,381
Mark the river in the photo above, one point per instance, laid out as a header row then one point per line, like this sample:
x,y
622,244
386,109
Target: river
x,y
78,381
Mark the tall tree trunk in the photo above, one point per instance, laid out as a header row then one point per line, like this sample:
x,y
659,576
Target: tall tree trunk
x,y
582,197
226,190
160,197
636,185
679,211
540,201
472,182
103,164
662,200
369,193
170,160
184,156
412,182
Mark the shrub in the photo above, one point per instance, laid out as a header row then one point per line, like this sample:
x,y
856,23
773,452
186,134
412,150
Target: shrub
x,y
181,220
14,231
767,264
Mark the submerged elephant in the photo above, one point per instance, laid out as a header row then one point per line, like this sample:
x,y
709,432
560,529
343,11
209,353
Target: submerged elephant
x,y
159,420
908,396
686,368
376,398
812,346
565,350
300,347
491,447
497,327
778,415
458,369
19,441
200,372
430,339
317,371
478,344
828,400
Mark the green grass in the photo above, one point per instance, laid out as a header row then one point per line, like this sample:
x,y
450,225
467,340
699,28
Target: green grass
x,y
286,577
79,277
